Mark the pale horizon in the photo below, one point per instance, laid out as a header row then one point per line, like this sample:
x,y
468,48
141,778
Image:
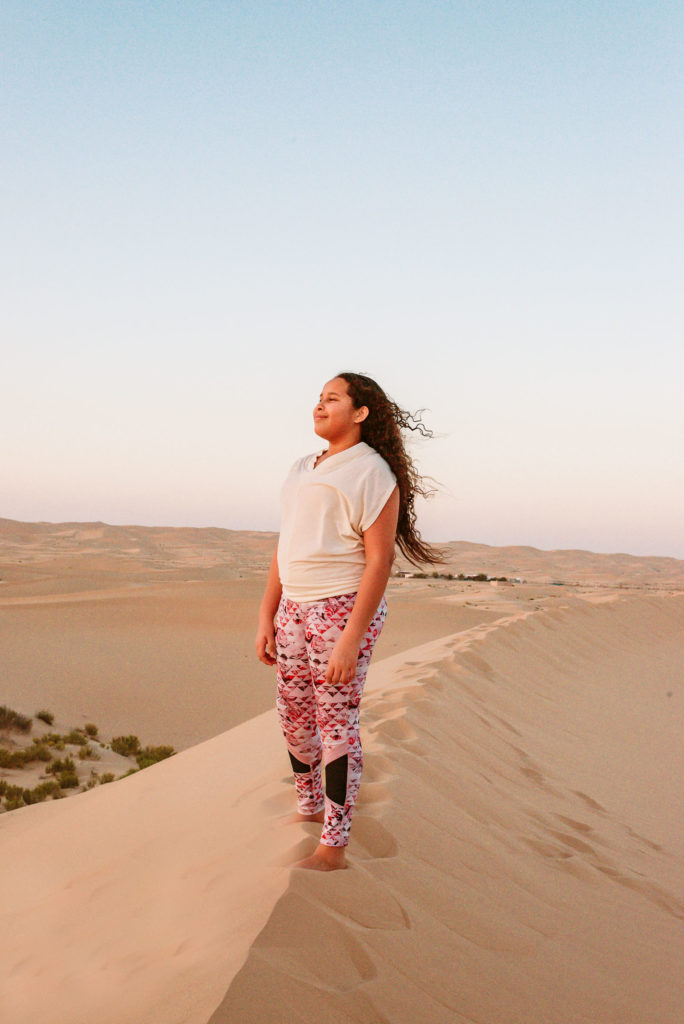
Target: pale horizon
x,y
209,212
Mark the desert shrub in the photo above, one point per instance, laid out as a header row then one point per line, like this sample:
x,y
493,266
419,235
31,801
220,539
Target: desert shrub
x,y
10,719
106,777
9,759
14,797
20,758
126,745
151,755
67,780
75,736
40,792
3,787
90,728
87,752
59,765
53,739
13,803
45,716
40,752
131,771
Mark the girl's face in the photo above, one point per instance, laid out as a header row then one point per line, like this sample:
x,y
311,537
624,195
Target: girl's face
x,y
335,418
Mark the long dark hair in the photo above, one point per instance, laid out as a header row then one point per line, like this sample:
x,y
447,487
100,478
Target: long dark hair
x,y
382,430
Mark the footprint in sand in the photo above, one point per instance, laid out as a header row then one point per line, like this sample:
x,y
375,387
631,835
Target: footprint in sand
x,y
595,806
548,849
279,803
340,964
377,768
355,897
398,730
435,683
304,848
580,826
372,793
371,840
647,889
643,839
574,843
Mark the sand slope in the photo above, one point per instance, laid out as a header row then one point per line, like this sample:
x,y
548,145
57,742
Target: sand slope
x,y
516,854
524,852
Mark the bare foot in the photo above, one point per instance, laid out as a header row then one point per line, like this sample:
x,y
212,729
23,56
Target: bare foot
x,y
324,858
298,816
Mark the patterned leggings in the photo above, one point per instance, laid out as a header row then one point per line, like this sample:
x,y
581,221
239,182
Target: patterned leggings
x,y
320,720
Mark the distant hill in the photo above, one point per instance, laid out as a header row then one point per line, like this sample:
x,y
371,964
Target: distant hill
x,y
150,553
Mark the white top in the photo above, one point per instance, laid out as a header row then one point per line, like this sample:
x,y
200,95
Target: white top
x,y
325,510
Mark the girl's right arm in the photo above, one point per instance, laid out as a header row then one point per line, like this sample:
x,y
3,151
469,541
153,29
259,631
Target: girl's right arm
x,y
265,638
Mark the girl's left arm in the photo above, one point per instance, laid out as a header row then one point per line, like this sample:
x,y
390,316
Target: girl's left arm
x,y
378,541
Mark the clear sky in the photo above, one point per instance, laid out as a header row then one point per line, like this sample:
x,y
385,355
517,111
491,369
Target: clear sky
x,y
210,208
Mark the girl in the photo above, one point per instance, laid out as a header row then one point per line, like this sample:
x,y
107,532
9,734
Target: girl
x,y
344,509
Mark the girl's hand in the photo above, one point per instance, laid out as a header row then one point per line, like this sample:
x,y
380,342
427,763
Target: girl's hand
x,y
265,643
342,661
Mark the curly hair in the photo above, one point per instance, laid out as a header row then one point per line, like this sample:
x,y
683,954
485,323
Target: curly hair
x,y
382,430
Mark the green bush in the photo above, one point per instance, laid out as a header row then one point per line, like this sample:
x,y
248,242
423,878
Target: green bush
x,y
12,758
106,777
91,729
68,780
41,792
40,752
126,745
87,752
20,758
10,719
45,716
59,765
14,797
75,736
53,739
151,755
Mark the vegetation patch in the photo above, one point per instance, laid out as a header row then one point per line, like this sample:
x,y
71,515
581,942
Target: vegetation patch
x,y
61,772
10,719
76,737
151,755
127,746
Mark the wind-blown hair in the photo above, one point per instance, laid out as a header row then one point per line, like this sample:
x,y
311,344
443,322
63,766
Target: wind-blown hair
x,y
382,430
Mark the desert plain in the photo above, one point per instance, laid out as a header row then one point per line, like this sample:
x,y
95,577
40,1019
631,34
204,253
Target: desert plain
x,y
517,852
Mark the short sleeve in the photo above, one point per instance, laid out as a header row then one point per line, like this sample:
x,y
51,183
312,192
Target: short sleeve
x,y
377,486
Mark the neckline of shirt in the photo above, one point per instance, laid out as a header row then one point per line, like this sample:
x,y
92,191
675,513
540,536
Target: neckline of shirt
x,y
338,457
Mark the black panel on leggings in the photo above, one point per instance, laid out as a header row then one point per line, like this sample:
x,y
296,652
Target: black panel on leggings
x,y
298,766
336,780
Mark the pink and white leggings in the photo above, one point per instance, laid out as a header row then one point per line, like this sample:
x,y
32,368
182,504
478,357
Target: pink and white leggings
x,y
320,720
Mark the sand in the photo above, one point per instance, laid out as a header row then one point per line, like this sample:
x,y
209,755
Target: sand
x,y
517,852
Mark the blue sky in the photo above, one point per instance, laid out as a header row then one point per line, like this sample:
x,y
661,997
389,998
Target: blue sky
x,y
209,209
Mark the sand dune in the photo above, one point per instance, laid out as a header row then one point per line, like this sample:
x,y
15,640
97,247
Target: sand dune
x,y
516,854
150,629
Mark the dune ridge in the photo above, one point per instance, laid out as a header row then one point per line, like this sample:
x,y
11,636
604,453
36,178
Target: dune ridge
x,y
493,880
509,862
